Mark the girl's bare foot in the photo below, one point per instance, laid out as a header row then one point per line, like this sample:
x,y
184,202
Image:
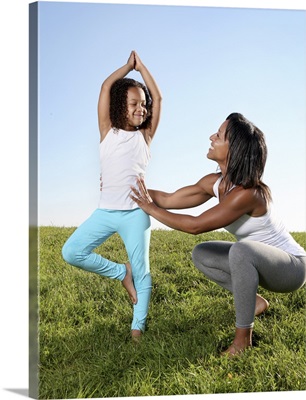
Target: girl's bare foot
x,y
129,285
261,305
136,335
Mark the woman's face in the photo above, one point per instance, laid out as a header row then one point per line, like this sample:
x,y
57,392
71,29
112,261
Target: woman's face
x,y
218,150
136,106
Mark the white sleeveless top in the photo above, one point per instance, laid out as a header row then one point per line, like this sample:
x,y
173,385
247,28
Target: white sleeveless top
x,y
124,156
266,229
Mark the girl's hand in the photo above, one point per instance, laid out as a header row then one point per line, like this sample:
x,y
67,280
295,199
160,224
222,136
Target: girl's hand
x,y
131,61
138,62
141,196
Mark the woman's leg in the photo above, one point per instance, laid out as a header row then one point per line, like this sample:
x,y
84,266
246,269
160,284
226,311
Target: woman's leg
x,y
211,258
135,232
255,263
240,267
78,249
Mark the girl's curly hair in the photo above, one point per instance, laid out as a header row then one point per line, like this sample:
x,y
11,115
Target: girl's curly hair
x,y
118,103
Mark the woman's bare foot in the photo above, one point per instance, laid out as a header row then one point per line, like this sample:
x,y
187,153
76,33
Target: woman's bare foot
x,y
242,341
129,285
233,351
261,305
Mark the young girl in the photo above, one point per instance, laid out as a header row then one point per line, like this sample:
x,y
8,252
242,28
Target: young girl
x,y
128,116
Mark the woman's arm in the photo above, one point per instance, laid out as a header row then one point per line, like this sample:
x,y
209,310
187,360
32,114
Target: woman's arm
x,y
237,203
188,196
156,97
104,98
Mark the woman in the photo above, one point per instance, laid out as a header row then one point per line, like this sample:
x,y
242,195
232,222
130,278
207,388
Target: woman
x,y
265,253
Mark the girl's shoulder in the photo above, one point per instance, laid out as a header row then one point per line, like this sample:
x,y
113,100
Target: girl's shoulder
x,y
105,131
146,135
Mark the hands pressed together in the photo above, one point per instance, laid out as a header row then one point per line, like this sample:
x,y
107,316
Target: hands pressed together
x,y
134,61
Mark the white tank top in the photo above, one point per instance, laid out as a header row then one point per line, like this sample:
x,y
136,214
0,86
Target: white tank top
x,y
266,229
124,156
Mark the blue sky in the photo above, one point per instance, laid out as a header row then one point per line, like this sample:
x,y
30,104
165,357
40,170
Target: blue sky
x,y
208,62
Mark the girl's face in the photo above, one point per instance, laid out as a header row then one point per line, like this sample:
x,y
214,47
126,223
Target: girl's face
x,y
218,150
136,106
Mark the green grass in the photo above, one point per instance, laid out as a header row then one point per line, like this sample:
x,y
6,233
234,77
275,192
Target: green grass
x,y
84,329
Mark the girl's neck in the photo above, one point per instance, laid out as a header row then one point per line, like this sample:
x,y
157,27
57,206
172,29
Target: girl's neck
x,y
130,128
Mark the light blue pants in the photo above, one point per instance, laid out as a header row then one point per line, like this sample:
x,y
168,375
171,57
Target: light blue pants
x,y
133,226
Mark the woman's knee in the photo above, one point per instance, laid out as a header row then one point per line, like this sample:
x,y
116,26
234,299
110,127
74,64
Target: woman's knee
x,y
242,263
197,255
239,251
200,256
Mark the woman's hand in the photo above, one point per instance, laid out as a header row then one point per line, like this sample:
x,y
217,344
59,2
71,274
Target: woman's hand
x,y
141,196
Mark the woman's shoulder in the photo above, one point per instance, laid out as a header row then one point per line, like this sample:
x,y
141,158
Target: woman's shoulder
x,y
210,179
249,199
208,182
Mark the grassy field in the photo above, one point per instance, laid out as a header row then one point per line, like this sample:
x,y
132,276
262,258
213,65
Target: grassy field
x,y
85,346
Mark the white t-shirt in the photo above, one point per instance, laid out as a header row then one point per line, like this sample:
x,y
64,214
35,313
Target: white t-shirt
x,y
266,229
124,156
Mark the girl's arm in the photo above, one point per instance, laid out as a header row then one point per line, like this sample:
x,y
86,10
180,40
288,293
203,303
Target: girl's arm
x,y
104,98
156,97
237,203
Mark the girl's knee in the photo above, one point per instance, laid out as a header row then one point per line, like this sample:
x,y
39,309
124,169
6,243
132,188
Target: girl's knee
x,y
142,280
69,254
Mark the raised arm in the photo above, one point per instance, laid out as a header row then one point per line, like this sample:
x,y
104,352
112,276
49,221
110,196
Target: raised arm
x,y
104,98
155,94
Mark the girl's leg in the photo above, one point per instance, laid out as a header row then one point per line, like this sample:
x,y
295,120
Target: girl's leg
x,y
135,232
78,250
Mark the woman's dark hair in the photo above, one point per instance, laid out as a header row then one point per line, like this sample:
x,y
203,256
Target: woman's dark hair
x,y
118,103
247,155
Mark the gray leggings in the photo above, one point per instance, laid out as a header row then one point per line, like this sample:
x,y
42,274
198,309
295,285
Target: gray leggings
x,y
240,267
